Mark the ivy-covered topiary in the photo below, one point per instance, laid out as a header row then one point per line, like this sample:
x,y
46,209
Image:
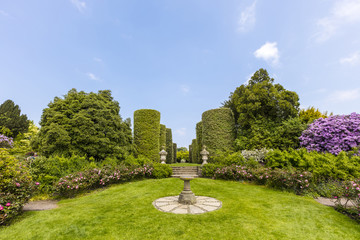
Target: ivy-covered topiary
x,y
195,150
162,136
218,130
169,146
199,128
147,133
174,152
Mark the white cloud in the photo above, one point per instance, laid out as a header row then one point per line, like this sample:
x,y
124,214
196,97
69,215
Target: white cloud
x,y
3,13
80,5
93,77
352,59
268,52
185,89
181,131
345,95
247,18
343,12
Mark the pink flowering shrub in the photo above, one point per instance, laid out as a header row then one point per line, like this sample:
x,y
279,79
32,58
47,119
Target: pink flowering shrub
x,y
348,198
297,181
6,142
16,186
333,134
78,182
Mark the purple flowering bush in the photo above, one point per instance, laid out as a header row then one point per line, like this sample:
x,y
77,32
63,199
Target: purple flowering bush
x,y
6,142
16,186
333,134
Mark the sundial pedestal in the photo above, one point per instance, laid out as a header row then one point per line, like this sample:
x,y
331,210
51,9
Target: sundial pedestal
x,y
187,197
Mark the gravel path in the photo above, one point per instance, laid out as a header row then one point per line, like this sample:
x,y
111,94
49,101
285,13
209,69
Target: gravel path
x,y
40,205
331,202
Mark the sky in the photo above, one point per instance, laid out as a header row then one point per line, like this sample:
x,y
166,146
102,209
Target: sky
x,y
180,57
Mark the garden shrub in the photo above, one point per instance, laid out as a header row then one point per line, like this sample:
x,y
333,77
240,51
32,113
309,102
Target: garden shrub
x,y
311,114
333,134
195,150
190,153
6,142
199,142
218,130
323,165
175,152
16,186
162,136
169,147
147,133
350,192
208,170
161,170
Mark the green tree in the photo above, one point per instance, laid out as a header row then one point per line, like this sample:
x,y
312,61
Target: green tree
x,y
260,107
86,124
12,122
310,114
182,155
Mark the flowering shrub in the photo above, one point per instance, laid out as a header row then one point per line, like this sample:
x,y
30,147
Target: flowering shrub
x,y
296,181
333,134
16,186
6,142
96,178
351,193
257,154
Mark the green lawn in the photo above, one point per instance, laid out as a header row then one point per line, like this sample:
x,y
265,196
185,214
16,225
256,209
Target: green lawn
x,y
126,212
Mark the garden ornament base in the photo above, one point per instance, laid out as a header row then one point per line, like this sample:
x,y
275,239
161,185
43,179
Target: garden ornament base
x,y
187,196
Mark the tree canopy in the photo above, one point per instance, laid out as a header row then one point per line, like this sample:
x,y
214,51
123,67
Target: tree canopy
x,y
87,124
260,108
12,122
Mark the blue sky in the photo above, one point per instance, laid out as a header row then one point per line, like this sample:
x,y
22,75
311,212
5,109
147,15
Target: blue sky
x,y
178,57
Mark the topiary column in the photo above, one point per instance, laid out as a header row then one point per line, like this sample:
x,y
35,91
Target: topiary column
x,y
199,143
194,151
190,153
162,135
218,130
169,146
174,152
147,133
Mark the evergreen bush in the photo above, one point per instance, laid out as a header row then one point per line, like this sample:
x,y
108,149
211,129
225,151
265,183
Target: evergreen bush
x,y
162,136
199,142
169,147
147,133
175,152
218,130
194,152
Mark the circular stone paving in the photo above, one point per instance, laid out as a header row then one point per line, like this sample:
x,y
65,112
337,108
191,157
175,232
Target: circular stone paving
x,y
202,205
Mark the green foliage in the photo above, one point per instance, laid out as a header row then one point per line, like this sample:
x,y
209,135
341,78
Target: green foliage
x,y
162,136
190,153
194,152
262,134
183,155
147,133
310,114
322,165
175,152
161,170
16,186
199,141
85,124
208,170
22,143
12,122
218,131
169,147
260,109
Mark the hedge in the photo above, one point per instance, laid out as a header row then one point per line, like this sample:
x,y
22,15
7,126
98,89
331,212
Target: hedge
x,y
195,151
190,153
199,141
218,130
169,146
147,133
162,136
175,151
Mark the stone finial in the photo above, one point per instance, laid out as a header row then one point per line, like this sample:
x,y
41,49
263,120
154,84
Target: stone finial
x,y
163,154
204,155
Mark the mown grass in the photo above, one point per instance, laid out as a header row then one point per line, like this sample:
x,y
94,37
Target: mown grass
x,y
126,212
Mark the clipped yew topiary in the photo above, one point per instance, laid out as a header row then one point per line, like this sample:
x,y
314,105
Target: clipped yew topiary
x,y
199,143
174,152
190,153
195,150
162,136
147,133
169,146
218,130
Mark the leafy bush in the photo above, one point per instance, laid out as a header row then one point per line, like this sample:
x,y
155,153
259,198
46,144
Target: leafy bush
x,y
6,142
169,147
161,170
257,154
311,114
73,184
333,134
208,170
16,186
323,165
351,194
